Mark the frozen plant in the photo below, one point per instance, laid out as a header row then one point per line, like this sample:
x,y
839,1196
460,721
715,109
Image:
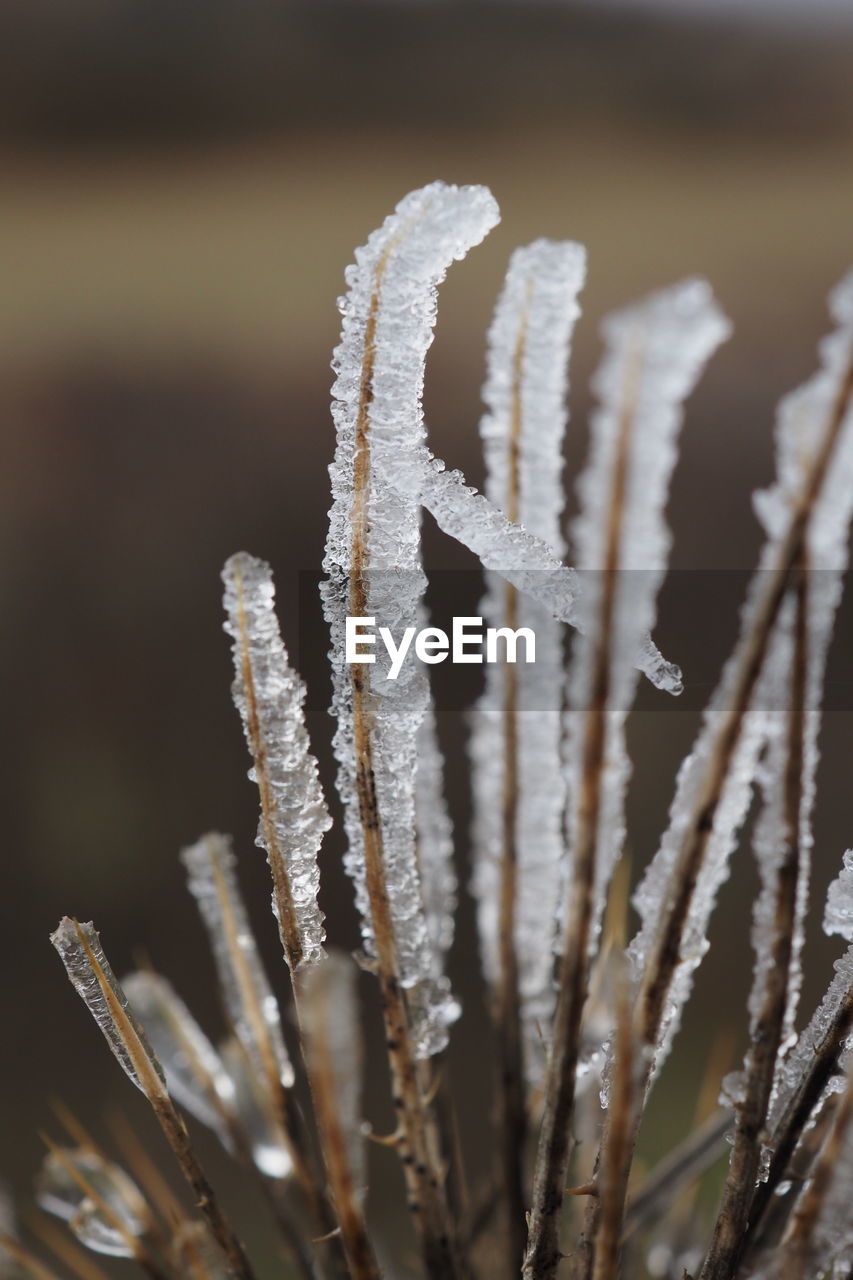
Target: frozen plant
x,y
583,1018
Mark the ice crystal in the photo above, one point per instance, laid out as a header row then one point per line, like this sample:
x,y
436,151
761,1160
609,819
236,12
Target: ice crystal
x,y
97,1199
269,696
80,950
249,1000
522,432
195,1074
524,560
838,914
373,556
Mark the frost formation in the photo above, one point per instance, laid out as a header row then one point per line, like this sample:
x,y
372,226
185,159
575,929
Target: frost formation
x,y
269,696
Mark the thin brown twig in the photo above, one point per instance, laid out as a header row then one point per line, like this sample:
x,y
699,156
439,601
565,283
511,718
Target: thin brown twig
x,y
807,1097
543,1249
16,1250
795,1253
729,1230
665,952
170,1122
424,1180
617,1148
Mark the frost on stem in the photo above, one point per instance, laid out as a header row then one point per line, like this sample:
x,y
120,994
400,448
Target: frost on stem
x,y
195,1074
519,713
814,447
252,1008
269,696
373,551
838,913
654,355
79,948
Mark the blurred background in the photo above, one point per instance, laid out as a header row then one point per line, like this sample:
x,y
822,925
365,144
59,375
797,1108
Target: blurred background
x,y
183,187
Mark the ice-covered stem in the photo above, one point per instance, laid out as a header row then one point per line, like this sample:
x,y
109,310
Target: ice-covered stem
x,y
331,1039
516,743
524,560
80,950
251,1005
806,1076
374,568
269,696
653,357
803,1253
703,780
776,915
543,1250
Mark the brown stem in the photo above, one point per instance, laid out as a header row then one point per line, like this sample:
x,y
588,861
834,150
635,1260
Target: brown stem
x,y
321,1076
424,1179
729,1230
617,1148
807,1098
543,1249
797,1244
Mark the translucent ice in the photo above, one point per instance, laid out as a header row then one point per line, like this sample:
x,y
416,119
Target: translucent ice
x,y
195,1074
249,1000
80,950
269,696
97,1199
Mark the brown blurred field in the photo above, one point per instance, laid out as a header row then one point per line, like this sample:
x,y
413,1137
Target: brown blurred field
x,y
179,203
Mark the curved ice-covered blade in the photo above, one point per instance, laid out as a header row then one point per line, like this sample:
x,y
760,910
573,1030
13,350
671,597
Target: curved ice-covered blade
x,y
373,554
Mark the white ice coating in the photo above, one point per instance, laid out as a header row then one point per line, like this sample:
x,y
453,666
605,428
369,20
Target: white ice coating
x,y
434,846
654,354
512,551
195,1074
388,318
66,1196
838,913
297,814
68,939
249,1000
523,431
772,838
803,420
331,1025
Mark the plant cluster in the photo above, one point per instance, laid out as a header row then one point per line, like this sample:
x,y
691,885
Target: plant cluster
x,y
583,1020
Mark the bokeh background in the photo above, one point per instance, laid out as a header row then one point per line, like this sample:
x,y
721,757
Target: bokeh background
x,y
183,187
